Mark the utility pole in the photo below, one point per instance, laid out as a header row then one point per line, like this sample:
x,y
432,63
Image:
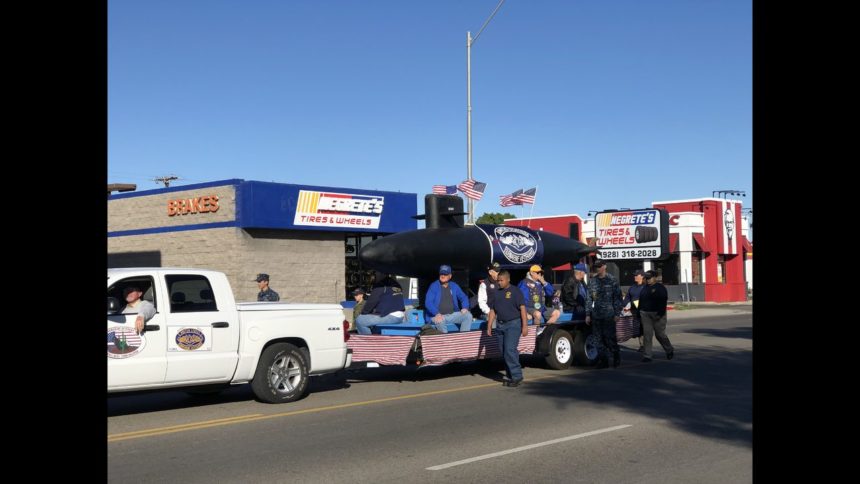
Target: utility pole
x,y
469,42
165,179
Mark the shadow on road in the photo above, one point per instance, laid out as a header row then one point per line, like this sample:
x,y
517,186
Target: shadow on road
x,y
705,391
490,369
739,332
155,401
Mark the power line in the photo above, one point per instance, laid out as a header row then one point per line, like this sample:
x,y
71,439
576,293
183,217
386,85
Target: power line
x,y
165,179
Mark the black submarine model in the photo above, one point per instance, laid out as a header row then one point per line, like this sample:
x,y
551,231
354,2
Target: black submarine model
x,y
419,253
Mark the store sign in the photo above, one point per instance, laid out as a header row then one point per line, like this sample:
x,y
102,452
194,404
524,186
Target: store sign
x,y
635,234
185,206
343,210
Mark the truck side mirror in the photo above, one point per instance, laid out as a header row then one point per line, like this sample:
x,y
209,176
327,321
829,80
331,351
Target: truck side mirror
x,y
112,305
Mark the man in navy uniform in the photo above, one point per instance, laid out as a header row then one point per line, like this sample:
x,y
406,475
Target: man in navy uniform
x,y
602,311
266,293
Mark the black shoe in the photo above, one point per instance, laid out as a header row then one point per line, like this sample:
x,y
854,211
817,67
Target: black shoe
x,y
513,383
670,355
646,360
641,349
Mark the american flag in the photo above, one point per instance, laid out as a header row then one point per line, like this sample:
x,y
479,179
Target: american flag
x,y
528,196
511,199
440,349
472,189
385,350
626,328
444,189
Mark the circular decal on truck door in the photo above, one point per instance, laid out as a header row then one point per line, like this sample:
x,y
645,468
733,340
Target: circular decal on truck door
x,y
124,342
190,338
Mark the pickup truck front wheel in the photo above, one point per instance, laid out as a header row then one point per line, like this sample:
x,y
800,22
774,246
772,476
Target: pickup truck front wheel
x,y
282,374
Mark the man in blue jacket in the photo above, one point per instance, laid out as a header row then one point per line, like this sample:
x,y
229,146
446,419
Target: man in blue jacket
x,y
384,306
446,303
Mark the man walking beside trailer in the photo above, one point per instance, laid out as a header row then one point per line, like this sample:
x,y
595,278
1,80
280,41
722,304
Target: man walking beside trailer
x,y
652,307
509,306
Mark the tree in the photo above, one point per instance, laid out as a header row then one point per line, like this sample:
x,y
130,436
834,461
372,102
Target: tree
x,y
494,218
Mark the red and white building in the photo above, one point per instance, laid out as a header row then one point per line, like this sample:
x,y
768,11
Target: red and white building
x,y
710,252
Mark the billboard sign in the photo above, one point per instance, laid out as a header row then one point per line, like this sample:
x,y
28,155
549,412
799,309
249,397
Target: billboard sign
x,y
641,234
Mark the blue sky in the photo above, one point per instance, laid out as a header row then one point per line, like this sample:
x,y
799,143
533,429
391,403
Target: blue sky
x,y
599,103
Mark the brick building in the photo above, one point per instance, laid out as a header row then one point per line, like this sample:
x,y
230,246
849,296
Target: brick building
x,y
710,254
305,237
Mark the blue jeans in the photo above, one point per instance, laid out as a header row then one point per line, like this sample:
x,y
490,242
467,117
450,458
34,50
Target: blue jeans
x,y
509,338
365,321
464,320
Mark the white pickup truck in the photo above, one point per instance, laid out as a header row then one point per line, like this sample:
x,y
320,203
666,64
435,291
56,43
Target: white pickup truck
x,y
200,337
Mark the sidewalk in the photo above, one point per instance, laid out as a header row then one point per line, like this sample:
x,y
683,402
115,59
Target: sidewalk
x,y
709,309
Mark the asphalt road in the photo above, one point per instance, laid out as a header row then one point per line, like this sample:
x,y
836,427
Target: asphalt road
x,y
685,420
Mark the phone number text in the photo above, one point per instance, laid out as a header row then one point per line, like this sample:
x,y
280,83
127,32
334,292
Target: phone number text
x,y
630,254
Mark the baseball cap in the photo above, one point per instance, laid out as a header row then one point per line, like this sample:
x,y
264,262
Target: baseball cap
x,y
638,272
650,274
358,291
535,268
580,267
598,263
261,277
495,266
444,269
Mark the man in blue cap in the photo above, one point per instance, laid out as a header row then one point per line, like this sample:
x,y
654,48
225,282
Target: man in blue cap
x,y
266,293
573,291
446,303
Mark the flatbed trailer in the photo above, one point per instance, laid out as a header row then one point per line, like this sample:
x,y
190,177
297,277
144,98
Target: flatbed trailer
x,y
562,344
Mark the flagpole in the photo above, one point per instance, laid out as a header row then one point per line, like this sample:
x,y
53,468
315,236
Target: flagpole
x,y
533,204
469,42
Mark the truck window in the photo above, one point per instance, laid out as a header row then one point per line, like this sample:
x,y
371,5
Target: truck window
x,y
190,293
145,283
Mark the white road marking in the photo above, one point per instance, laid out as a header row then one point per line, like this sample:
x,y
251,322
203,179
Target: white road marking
x,y
525,447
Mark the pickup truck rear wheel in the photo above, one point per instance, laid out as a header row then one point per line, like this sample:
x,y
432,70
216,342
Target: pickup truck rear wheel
x,y
584,348
282,374
560,350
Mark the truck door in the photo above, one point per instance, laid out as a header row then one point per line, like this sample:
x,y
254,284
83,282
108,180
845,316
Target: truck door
x,y
202,332
135,360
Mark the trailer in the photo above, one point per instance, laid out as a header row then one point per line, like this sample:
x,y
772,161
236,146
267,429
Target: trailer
x,y
567,342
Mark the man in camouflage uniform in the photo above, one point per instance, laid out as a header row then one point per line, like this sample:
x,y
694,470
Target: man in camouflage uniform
x,y
602,311
266,293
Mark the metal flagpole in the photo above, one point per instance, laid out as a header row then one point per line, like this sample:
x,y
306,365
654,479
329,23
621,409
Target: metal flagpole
x,y
469,42
533,203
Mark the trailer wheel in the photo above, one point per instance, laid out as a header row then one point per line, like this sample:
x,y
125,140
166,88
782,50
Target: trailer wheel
x,y
282,374
560,350
584,348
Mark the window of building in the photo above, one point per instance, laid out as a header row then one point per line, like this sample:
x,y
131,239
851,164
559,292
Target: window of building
x,y
697,267
356,274
721,269
190,293
668,270
625,271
